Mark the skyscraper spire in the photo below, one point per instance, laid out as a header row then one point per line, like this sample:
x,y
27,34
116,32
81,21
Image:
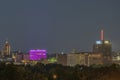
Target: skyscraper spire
x,y
102,35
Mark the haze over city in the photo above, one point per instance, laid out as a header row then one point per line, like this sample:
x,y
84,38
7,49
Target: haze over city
x,y
58,26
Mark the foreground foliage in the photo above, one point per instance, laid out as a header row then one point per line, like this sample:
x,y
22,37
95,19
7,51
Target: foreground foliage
x,y
58,72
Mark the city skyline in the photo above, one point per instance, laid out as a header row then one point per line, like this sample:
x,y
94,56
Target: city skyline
x,y
59,26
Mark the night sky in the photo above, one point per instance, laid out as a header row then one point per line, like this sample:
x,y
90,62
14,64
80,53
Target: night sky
x,y
58,25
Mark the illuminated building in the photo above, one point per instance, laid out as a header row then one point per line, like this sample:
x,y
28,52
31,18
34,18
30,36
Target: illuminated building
x,y
77,58
52,60
26,56
81,58
62,59
6,49
37,54
116,58
95,59
19,57
104,47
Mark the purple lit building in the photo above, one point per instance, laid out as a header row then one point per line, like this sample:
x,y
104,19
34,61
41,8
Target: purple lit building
x,y
37,54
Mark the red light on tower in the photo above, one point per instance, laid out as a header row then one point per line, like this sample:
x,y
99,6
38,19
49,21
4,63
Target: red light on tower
x,y
102,35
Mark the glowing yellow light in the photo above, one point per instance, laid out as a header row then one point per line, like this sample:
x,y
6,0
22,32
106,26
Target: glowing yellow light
x,y
54,76
107,42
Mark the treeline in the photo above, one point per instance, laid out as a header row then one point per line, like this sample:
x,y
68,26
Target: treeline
x,y
58,72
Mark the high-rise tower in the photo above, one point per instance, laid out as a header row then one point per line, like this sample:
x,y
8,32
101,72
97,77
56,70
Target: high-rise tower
x,y
104,47
6,49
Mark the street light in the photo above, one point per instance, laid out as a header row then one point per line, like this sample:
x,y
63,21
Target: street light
x,y
54,76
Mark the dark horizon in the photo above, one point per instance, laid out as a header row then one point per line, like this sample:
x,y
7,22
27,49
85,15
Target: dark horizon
x,y
59,26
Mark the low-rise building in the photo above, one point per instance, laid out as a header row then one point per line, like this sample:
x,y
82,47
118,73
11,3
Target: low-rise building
x,y
62,59
95,59
81,58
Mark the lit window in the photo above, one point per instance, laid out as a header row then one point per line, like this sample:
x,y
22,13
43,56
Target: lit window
x,y
106,42
98,42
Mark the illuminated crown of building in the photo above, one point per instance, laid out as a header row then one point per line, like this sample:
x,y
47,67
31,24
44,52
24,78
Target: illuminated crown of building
x,y
6,48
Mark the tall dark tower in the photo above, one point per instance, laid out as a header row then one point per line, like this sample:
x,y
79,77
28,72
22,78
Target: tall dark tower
x,y
104,47
6,49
